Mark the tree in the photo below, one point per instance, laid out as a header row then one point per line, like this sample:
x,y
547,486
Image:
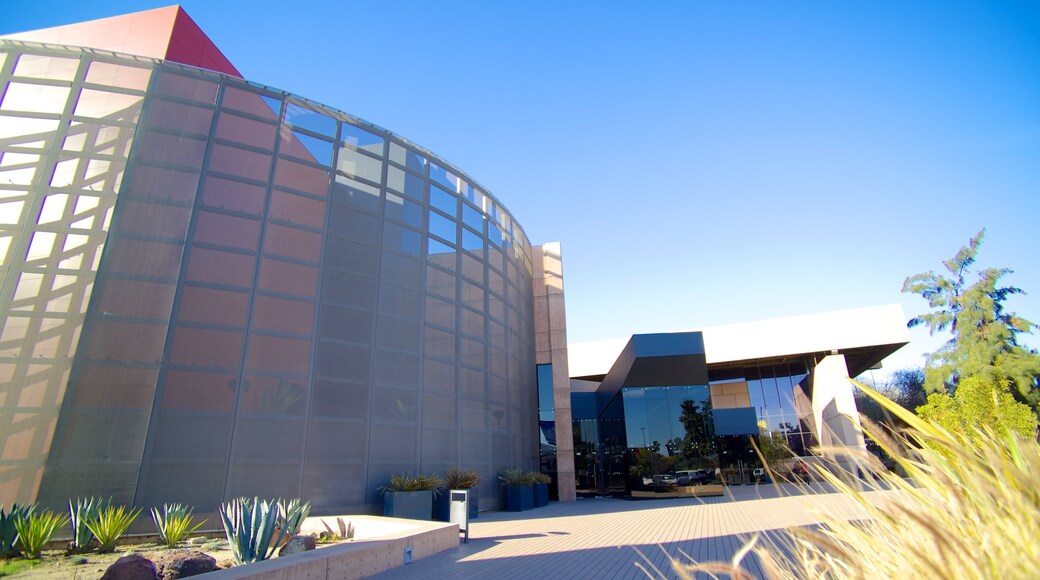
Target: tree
x,y
979,403
985,336
905,387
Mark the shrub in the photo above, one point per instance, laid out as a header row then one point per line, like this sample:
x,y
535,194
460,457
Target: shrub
x,y
539,477
80,513
174,523
514,476
36,529
8,531
250,528
110,524
409,482
461,478
968,508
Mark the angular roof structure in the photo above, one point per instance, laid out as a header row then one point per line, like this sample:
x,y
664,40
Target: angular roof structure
x,y
167,33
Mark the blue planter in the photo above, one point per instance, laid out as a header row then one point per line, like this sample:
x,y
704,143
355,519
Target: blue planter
x,y
412,505
442,506
519,498
541,495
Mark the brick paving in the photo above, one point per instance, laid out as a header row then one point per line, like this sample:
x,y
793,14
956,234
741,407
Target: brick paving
x,y
603,538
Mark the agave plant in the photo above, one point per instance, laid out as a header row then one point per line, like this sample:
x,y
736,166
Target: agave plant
x,y
291,515
81,512
456,478
250,528
346,531
36,529
111,523
174,523
8,531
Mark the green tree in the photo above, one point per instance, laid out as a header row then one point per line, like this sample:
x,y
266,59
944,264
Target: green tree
x,y
979,403
985,336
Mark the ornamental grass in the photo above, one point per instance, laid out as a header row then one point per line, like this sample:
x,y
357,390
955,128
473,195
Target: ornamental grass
x,y
968,507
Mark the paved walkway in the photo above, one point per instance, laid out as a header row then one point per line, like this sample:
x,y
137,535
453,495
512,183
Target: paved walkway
x,y
605,538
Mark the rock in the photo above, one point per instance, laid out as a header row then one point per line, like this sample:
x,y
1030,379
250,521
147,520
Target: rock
x,y
133,567
296,545
183,563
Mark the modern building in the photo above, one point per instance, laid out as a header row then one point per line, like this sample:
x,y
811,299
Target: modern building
x,y
211,288
656,409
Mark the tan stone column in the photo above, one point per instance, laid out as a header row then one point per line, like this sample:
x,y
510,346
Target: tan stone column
x,y
550,333
834,408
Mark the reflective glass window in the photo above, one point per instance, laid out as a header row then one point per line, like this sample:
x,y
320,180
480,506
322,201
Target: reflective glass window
x,y
404,183
246,101
127,77
355,164
407,158
304,118
319,149
434,247
402,239
361,139
347,191
191,88
444,201
35,98
446,178
442,226
246,131
98,104
404,210
472,217
471,241
46,67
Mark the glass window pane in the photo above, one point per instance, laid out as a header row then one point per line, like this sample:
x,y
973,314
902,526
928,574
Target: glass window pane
x,y
346,191
444,201
405,183
304,118
320,150
35,98
400,208
472,217
442,226
355,164
471,241
446,178
401,239
361,139
408,158
46,67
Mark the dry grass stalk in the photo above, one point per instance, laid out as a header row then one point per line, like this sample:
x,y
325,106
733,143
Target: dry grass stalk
x,y
969,507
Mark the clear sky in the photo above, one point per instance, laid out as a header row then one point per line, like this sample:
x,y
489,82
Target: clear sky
x,y
701,162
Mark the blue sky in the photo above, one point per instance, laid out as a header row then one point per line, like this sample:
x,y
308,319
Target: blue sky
x,y
701,163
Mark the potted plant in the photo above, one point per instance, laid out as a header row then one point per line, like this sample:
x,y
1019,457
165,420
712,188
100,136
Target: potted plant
x,y
410,496
518,486
457,479
541,488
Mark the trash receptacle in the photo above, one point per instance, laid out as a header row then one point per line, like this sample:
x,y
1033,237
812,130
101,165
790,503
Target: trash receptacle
x,y
459,511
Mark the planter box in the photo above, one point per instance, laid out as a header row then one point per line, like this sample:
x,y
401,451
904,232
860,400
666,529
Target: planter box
x,y
519,498
412,505
541,495
442,506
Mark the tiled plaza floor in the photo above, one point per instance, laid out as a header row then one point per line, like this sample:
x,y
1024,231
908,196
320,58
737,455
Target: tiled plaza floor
x,y
603,538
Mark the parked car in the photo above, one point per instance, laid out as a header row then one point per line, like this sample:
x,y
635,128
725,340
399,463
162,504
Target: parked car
x,y
692,476
665,480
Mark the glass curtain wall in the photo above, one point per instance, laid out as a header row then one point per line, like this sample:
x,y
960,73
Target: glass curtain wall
x,y
212,289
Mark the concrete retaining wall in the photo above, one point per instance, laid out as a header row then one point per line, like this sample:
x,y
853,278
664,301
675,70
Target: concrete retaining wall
x,y
355,559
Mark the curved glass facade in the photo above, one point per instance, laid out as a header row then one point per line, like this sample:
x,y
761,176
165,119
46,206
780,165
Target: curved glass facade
x,y
211,289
